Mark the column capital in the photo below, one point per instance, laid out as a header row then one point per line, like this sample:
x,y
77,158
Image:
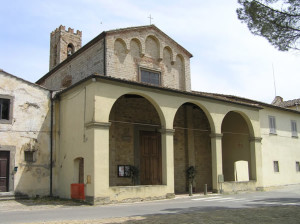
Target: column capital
x,y
167,131
255,139
95,124
216,135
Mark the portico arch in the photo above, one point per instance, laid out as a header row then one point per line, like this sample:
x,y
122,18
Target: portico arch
x,y
192,147
135,141
237,131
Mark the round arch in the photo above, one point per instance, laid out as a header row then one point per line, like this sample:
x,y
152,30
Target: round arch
x,y
135,43
192,147
150,99
152,46
204,109
236,154
135,141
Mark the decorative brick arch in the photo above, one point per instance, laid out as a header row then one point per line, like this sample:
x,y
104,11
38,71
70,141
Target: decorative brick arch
x,y
120,49
152,47
180,71
136,48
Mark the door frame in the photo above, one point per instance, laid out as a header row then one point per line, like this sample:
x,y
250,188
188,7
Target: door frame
x,y
12,152
158,161
137,130
6,155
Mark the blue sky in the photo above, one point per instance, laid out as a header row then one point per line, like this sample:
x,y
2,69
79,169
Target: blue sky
x,y
227,58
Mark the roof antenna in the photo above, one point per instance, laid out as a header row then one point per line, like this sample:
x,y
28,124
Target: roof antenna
x,y
150,18
274,80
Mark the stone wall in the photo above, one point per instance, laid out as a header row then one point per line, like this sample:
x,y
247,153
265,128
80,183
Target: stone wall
x,y
59,41
200,153
89,62
128,52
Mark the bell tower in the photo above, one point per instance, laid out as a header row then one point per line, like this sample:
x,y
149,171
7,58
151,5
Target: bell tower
x,y
63,44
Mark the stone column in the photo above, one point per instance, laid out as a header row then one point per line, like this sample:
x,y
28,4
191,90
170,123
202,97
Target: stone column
x,y
167,142
100,178
216,154
256,160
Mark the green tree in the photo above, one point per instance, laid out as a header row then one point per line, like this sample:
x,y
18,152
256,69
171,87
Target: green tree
x,y
276,20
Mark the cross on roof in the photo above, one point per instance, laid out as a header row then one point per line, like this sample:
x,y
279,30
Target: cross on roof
x,y
150,18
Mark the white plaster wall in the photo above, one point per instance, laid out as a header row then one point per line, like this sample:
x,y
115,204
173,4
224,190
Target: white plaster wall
x,y
29,130
281,147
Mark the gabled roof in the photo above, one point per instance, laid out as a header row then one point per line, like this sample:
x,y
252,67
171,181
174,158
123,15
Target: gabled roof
x,y
23,80
103,35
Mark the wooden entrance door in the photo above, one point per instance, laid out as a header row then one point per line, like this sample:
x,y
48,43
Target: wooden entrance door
x,y
4,171
150,158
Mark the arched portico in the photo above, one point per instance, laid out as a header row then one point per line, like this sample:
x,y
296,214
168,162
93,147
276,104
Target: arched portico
x,y
192,147
237,158
134,141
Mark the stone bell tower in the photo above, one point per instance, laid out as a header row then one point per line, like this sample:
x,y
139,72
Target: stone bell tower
x,y
63,44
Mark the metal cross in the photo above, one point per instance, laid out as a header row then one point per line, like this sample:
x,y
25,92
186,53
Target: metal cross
x,y
150,18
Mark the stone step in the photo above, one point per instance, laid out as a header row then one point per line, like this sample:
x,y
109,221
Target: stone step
x,y
6,196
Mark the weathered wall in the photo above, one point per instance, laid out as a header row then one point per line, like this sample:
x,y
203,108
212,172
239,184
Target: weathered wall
x,y
28,131
127,52
89,62
281,147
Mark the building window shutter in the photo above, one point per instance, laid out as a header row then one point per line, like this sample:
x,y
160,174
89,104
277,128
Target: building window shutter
x,y
276,166
297,167
272,124
294,128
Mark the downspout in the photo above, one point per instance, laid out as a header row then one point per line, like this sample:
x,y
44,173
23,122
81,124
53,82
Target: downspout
x,y
51,141
104,52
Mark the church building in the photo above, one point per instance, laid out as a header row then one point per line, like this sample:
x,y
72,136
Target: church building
x,y
124,124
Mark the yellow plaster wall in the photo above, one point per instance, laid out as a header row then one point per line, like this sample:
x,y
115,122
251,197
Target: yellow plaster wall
x,y
92,142
74,140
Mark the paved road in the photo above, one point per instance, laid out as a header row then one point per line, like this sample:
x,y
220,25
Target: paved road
x,y
276,206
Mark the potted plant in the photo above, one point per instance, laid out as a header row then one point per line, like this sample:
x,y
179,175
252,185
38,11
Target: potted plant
x,y
191,172
134,172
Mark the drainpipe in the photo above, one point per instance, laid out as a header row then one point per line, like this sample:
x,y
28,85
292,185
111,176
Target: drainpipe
x,y
51,141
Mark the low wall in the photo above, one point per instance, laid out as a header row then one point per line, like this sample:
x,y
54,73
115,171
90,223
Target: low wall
x,y
133,194
232,186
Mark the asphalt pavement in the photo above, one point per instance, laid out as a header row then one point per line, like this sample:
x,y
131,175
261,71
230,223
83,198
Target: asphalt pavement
x,y
272,206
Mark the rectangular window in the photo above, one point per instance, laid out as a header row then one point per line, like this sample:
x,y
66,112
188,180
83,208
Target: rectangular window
x,y
297,167
150,77
5,109
294,128
272,125
29,156
276,166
